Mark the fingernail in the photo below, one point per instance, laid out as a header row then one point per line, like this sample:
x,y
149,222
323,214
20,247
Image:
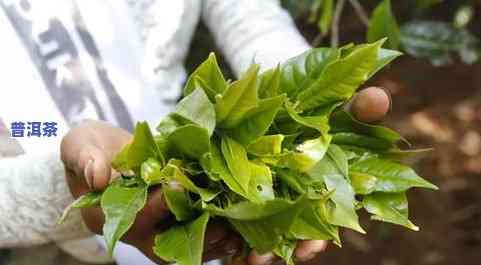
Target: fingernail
x,y
89,174
389,95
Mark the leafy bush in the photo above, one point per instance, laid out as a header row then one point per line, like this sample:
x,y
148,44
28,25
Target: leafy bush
x,y
419,36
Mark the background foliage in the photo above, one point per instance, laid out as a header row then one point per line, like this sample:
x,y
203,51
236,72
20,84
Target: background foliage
x,y
409,25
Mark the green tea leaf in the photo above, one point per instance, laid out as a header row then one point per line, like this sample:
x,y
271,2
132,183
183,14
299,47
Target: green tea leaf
x,y
341,78
257,121
383,24
120,206
184,243
398,154
90,199
249,211
272,154
436,41
299,72
120,161
178,203
150,172
239,98
363,183
309,153
327,12
313,10
354,139
252,180
267,145
193,168
269,83
172,172
384,57
142,147
236,157
312,224
341,121
319,122
197,108
190,140
391,176
315,149
260,186
285,250
389,207
266,233
339,158
292,178
169,124
344,212
214,164
208,76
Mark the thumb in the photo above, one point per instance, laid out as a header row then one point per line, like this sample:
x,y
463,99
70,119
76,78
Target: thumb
x,y
370,104
87,151
86,170
94,167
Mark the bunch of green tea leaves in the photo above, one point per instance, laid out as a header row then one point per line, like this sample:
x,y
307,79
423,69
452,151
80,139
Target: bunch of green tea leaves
x,y
274,155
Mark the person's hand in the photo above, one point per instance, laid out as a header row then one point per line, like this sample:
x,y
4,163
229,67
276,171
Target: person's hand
x,y
87,152
369,105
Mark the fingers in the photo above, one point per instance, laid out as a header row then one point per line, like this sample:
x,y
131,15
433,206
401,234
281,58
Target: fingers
x,y
219,243
308,249
305,250
89,170
146,247
231,244
93,218
148,218
215,234
255,258
87,151
238,260
370,105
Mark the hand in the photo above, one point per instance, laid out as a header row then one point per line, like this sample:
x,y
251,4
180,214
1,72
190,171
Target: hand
x,y
87,152
369,105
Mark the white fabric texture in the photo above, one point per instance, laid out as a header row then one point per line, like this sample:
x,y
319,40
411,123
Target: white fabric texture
x,y
33,194
250,31
33,191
